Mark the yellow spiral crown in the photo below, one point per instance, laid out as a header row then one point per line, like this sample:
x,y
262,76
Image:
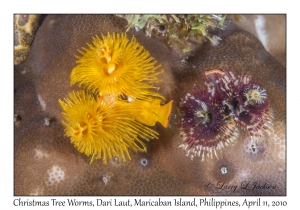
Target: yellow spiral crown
x,y
119,99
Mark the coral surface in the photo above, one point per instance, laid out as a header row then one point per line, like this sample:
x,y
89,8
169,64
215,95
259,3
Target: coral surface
x,y
25,27
46,163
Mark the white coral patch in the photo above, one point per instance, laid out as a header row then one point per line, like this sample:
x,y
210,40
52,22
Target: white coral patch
x,y
42,102
39,154
243,175
252,147
37,191
56,175
281,154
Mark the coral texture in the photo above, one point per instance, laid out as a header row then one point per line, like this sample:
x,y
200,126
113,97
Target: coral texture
x,y
181,32
25,27
262,26
45,163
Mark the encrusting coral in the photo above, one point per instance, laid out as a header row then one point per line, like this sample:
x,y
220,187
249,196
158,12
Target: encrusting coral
x,y
179,31
40,150
25,26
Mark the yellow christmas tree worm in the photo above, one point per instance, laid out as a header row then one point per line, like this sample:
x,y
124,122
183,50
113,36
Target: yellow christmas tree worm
x,y
145,112
116,65
103,128
150,112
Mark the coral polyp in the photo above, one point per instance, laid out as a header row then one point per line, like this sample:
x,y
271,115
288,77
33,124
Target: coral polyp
x,y
103,129
205,125
211,118
116,65
255,96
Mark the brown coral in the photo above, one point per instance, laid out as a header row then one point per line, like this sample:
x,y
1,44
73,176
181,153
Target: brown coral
x,y
25,26
43,150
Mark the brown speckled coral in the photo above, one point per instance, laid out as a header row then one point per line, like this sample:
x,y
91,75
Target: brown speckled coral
x,y
47,164
25,26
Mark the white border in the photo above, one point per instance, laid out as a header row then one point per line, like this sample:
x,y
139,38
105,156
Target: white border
x,y
152,6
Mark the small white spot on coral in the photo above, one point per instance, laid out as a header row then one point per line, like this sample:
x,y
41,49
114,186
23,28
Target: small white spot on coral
x,y
52,22
105,179
42,102
224,170
56,174
47,121
23,71
243,175
37,191
39,154
281,155
252,147
115,162
216,40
